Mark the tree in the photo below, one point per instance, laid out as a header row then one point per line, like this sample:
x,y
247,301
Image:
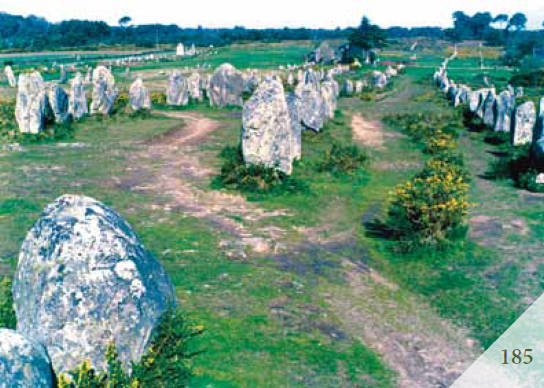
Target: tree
x,y
501,19
518,21
124,21
367,36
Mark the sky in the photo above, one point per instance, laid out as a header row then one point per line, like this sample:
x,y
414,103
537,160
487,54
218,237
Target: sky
x,y
275,13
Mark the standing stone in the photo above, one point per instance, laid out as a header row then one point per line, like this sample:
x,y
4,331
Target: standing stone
x,y
58,101
290,79
538,145
77,102
226,87
312,108
177,93
252,79
503,108
8,71
104,91
329,98
473,101
359,86
139,95
518,92
390,72
293,104
84,280
300,76
89,76
266,128
348,88
379,79
180,50
523,124
31,103
23,362
488,111
461,96
62,78
194,87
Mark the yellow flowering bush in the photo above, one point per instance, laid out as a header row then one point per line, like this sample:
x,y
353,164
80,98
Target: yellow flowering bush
x,y
429,208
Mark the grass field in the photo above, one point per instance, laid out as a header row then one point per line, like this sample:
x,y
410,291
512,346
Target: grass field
x,y
292,289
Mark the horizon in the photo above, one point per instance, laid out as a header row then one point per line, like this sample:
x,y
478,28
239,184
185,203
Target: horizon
x,y
280,14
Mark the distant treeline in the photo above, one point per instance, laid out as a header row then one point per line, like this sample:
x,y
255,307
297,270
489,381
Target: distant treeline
x,y
36,33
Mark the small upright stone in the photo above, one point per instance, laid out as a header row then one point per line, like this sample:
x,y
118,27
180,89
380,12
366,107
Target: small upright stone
x,y
139,95
379,79
523,124
31,103
177,93
23,362
58,101
226,87
104,91
348,88
488,111
194,87
12,81
293,104
77,101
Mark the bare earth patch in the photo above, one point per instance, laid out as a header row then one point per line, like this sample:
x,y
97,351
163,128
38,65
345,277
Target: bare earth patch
x,y
369,132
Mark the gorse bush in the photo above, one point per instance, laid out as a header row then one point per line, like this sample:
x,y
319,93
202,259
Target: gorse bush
x,y
7,314
255,178
166,364
342,159
158,98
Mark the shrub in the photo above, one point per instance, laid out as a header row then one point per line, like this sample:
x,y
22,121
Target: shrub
x,y
428,210
158,98
255,178
527,181
440,142
342,159
121,102
166,364
7,314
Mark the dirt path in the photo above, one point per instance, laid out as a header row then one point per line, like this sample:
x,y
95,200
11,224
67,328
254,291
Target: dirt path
x,y
178,171
368,133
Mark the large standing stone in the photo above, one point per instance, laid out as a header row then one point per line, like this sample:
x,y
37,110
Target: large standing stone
x,y
312,107
104,91
488,111
58,101
379,79
523,124
293,104
12,81
226,87
23,362
31,104
266,128
329,98
84,280
473,100
139,95
504,106
77,102
177,93
194,87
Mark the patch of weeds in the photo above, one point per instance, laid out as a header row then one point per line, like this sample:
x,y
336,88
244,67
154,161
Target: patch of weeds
x,y
253,178
342,159
7,313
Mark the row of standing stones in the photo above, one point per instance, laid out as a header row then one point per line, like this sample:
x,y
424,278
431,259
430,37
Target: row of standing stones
x,y
499,112
272,119
83,281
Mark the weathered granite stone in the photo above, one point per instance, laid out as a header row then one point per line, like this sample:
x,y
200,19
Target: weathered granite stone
x,y
84,280
58,102
63,76
347,88
290,79
139,95
180,50
523,124
251,79
488,111
104,91
390,72
379,79
518,92
503,108
266,128
77,101
312,108
23,362
293,104
31,103
329,98
12,81
538,139
193,83
226,87
359,86
473,100
177,93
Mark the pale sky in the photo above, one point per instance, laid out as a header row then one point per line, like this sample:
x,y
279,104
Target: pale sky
x,y
273,13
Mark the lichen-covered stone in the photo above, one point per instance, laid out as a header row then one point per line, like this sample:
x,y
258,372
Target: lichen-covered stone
x,y
379,79
31,103
503,108
226,87
104,91
58,102
84,280
293,104
266,128
312,107
12,81
23,362
193,83
251,80
77,100
487,108
139,95
329,98
347,88
523,124
177,93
